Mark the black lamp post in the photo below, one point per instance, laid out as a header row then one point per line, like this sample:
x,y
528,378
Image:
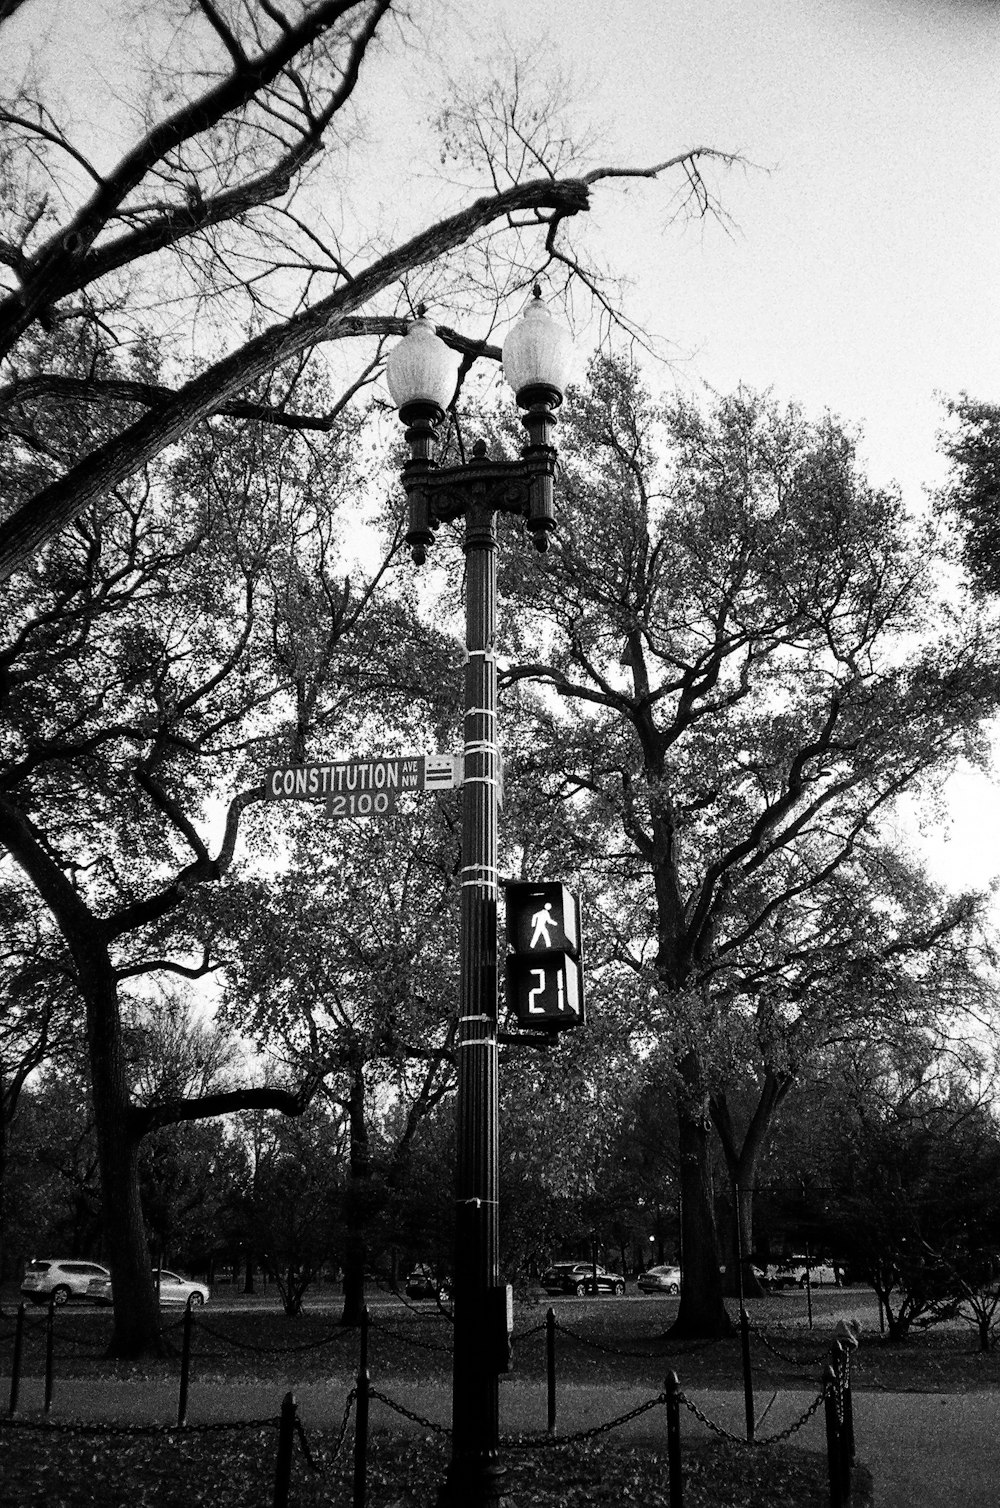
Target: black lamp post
x,y
421,372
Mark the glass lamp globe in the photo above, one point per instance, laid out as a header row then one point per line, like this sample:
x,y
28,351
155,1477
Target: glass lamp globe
x,y
421,368
538,353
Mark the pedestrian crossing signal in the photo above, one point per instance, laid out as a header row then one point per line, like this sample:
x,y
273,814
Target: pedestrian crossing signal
x,y
544,969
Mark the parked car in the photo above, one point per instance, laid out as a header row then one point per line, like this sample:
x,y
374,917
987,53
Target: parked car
x,y
796,1272
578,1278
59,1279
174,1289
424,1283
660,1280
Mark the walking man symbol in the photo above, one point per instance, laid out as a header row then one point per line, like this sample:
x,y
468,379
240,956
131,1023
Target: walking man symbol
x,y
542,921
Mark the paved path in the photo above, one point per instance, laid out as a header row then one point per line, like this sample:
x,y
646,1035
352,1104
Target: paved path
x,y
925,1450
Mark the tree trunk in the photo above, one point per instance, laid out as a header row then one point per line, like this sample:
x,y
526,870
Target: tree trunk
x,y
740,1241
742,1160
4,1143
357,1205
137,1316
702,1313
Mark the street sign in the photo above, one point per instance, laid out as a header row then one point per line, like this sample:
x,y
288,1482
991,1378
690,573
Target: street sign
x,y
383,780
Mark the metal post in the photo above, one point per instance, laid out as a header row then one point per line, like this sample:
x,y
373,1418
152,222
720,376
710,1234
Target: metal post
x,y
182,1397
829,1386
474,1474
748,1401
361,1441
676,1483
286,1439
50,1326
15,1366
363,1340
840,1364
550,1366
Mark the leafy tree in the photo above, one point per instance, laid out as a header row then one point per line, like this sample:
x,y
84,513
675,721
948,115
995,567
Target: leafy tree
x,y
36,1023
561,1114
208,216
877,936
344,968
925,1239
186,634
294,1197
972,444
54,1170
185,1169
746,660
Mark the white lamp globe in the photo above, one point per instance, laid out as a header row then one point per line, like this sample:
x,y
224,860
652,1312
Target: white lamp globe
x,y
421,368
538,352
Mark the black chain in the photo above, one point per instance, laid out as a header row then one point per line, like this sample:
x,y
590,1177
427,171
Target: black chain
x,y
610,1350
792,1429
352,1395
726,1434
520,1442
439,1313
305,1446
440,1429
243,1345
790,1361
341,1434
521,1335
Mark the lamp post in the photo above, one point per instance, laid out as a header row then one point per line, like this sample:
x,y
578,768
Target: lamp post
x,y
421,372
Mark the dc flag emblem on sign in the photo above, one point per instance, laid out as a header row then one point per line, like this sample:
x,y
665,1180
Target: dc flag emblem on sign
x,y
544,971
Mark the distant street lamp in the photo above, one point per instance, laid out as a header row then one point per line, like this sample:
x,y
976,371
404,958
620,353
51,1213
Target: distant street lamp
x,y
421,372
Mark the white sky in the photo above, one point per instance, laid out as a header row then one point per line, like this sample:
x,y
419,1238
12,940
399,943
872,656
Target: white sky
x,y
862,270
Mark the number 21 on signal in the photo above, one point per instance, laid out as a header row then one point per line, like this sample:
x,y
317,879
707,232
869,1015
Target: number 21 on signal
x,y
540,989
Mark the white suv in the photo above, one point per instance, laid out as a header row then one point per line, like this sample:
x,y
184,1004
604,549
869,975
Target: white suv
x,y
58,1279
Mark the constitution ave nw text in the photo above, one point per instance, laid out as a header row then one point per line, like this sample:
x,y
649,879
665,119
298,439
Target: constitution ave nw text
x,y
407,772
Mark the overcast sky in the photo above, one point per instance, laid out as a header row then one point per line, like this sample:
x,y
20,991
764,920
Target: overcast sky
x,y
862,270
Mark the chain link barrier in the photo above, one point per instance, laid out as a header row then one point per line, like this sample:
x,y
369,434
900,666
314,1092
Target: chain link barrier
x,y
596,1345
523,1335
794,1362
243,1345
439,1313
834,1388
543,1442
725,1434
342,1433
439,1429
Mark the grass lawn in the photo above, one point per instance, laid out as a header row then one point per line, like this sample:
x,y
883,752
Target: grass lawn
x,y
605,1341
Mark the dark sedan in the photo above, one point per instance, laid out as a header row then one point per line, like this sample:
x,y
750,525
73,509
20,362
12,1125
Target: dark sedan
x,y
578,1278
